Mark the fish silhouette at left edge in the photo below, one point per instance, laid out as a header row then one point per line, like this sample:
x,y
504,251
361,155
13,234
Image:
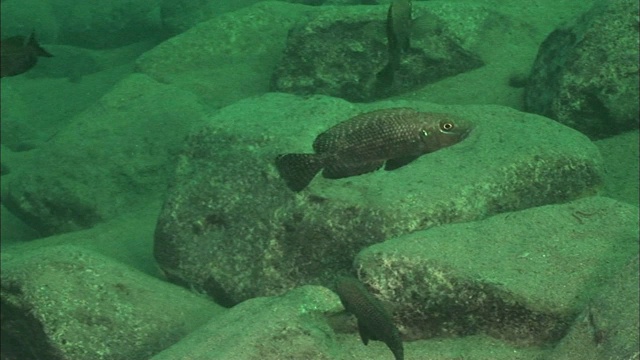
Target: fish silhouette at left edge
x,y
390,137
20,54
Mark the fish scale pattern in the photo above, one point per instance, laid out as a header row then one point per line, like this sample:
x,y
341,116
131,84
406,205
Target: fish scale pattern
x,y
373,135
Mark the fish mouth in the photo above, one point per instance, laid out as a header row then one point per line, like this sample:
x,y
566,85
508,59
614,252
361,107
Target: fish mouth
x,y
466,133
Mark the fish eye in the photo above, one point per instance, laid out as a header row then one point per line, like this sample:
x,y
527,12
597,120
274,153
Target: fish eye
x,y
446,126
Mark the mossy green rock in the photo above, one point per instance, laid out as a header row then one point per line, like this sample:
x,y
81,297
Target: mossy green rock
x,y
522,276
231,228
64,302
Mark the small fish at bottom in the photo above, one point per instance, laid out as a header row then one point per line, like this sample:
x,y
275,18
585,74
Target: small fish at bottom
x,y
374,322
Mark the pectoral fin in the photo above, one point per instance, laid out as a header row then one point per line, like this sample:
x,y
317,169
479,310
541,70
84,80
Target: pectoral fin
x,y
337,171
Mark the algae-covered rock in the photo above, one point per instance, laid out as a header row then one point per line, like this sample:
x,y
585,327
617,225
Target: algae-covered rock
x,y
608,326
231,228
343,52
111,157
64,302
586,72
522,277
228,57
291,326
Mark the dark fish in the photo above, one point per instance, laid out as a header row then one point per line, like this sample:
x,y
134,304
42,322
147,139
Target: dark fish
x,y
19,54
399,25
398,38
374,322
364,143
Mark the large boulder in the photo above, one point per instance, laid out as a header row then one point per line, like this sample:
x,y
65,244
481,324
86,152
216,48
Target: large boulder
x,y
227,58
586,72
64,302
343,52
620,154
231,228
522,277
95,25
291,326
113,156
180,15
608,327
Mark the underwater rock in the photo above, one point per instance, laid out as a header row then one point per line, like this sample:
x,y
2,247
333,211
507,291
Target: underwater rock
x,y
108,25
227,58
63,302
179,16
340,51
608,326
621,166
110,157
522,277
291,326
230,226
586,73
93,25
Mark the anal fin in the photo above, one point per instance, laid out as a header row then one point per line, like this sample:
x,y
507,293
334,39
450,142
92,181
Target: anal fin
x,y
393,164
342,171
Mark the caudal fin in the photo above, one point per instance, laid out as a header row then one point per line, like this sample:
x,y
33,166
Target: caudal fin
x,y
298,170
33,43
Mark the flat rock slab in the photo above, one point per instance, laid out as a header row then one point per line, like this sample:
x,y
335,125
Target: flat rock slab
x,y
231,228
522,276
63,302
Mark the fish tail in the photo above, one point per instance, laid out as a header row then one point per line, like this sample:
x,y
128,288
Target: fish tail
x,y
298,170
385,77
35,45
